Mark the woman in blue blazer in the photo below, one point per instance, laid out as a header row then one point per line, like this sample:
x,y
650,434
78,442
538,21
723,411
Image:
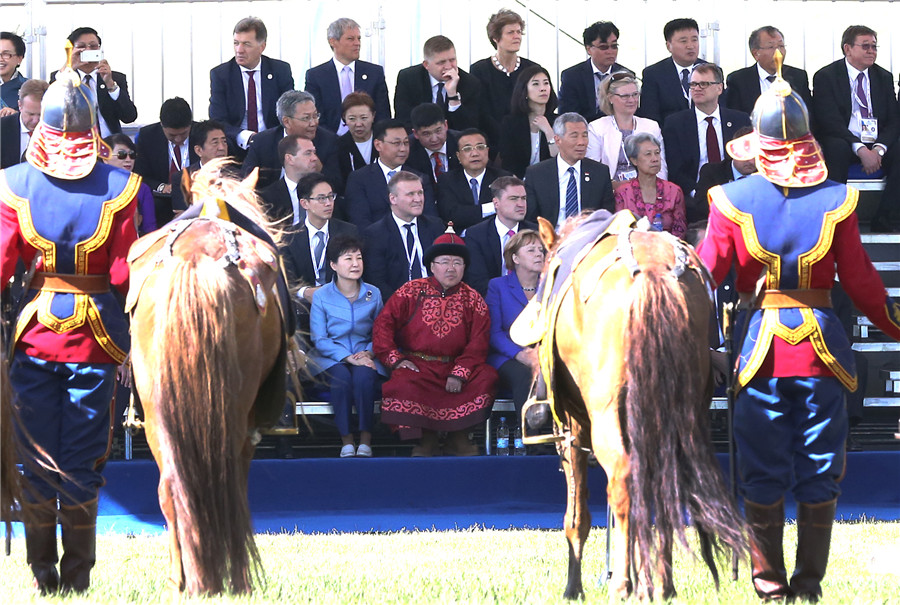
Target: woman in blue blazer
x,y
341,319
506,297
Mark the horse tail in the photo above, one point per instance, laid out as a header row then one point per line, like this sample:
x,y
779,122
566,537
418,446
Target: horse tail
x,y
202,433
673,466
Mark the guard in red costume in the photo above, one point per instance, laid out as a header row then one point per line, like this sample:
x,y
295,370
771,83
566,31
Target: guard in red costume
x,y
72,219
788,229
433,334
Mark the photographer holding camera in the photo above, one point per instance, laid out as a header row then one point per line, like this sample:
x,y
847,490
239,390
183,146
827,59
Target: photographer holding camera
x,y
110,88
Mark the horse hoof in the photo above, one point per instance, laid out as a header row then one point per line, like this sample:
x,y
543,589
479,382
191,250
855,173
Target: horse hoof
x,y
537,416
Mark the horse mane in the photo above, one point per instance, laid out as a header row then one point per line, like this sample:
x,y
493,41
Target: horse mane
x,y
216,180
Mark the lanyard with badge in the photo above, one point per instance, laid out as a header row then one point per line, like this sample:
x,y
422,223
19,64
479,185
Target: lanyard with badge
x,y
629,172
868,124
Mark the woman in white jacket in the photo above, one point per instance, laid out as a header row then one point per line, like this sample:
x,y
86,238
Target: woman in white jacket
x,y
619,98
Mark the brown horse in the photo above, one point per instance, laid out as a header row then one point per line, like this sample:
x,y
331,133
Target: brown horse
x,y
632,384
207,357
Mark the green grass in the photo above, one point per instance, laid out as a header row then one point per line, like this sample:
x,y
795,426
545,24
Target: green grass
x,y
473,566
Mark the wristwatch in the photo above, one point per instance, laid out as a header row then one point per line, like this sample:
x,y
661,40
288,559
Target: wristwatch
x,y
453,98
879,150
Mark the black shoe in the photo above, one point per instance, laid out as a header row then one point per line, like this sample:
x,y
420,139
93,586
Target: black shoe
x,y
881,224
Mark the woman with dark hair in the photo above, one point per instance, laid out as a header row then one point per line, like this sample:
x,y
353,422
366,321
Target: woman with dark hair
x,y
356,147
528,129
499,72
343,312
122,156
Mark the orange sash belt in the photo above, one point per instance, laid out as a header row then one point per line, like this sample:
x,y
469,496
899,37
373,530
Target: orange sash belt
x,y
71,284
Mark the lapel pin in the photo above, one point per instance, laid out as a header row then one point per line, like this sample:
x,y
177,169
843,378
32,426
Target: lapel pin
x,y
728,124
269,77
365,76
103,86
587,177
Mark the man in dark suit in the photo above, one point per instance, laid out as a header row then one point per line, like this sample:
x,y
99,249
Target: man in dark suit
x,y
696,136
208,142
432,151
298,115
461,200
858,119
719,173
333,80
16,129
304,251
578,84
163,150
298,157
439,80
230,82
666,84
367,197
110,88
487,239
395,243
743,87
566,185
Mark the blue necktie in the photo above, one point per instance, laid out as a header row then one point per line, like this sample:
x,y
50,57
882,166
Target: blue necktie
x,y
571,194
391,174
318,259
686,82
415,270
474,183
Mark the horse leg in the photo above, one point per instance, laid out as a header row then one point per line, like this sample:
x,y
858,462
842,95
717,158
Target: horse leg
x,y
664,567
578,517
620,502
175,581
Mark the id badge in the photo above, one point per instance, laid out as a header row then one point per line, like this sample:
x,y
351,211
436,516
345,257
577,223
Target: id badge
x,y
868,130
626,175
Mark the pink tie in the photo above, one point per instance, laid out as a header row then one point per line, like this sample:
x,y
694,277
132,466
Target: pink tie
x,y
861,95
506,238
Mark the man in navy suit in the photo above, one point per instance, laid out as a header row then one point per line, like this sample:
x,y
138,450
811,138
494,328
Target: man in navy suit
x,y
333,80
487,239
16,129
439,80
298,157
578,84
208,142
163,148
298,115
696,136
743,87
858,120
396,242
432,151
666,84
464,194
230,83
570,183
367,197
110,88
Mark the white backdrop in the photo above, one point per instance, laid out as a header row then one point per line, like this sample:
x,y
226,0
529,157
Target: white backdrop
x,y
167,47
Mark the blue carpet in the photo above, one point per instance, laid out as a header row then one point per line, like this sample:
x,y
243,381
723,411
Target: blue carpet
x,y
391,494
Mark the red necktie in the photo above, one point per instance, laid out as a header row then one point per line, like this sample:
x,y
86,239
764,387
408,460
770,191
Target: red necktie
x,y
712,142
438,165
252,120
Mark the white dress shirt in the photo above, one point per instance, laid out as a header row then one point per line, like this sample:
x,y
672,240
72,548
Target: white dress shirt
x,y
113,94
244,136
418,243
318,263
702,125
562,169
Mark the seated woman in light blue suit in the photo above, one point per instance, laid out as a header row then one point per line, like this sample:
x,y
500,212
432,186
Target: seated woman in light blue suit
x,y
341,319
506,297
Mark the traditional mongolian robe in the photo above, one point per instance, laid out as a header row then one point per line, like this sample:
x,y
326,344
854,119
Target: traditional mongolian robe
x,y
444,334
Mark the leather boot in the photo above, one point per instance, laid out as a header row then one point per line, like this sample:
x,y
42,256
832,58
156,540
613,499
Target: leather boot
x,y
40,544
814,522
79,540
767,551
427,445
458,444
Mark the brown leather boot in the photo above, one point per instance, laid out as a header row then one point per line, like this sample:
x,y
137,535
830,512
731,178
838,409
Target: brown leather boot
x,y
766,550
40,544
427,445
79,540
814,522
458,444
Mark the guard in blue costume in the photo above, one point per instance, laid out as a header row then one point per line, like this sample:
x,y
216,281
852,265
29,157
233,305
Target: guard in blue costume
x,y
72,219
787,229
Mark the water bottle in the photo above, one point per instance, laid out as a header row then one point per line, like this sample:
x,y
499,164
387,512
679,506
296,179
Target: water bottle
x,y
657,224
503,438
518,444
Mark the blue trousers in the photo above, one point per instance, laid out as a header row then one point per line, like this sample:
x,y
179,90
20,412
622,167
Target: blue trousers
x,y
791,435
65,407
352,386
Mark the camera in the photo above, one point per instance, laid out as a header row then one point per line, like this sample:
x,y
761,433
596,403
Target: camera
x,y
91,56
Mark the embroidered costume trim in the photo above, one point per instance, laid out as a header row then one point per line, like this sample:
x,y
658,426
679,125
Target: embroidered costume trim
x,y
104,225
26,225
748,230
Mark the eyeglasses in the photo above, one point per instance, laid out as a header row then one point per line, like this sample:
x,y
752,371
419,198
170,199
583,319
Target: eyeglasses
x,y
701,85
605,46
7,55
471,148
310,118
126,154
780,47
867,47
321,199
631,95
449,263
398,143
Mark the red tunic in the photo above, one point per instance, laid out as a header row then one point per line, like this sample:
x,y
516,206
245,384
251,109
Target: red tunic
x,y
451,330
